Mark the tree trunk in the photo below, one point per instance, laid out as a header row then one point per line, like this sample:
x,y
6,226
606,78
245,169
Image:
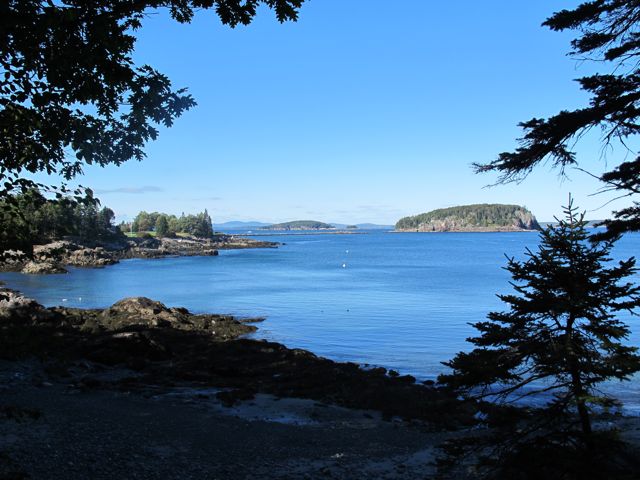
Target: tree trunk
x,y
576,382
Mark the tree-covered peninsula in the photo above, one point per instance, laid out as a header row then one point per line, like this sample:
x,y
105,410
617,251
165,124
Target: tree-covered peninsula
x,y
299,225
471,218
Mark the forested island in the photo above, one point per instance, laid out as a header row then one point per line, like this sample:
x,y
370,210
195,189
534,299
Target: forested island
x,y
299,225
471,218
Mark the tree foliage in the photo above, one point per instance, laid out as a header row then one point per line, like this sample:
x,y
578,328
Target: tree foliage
x,y
199,225
561,335
162,226
608,33
30,218
70,93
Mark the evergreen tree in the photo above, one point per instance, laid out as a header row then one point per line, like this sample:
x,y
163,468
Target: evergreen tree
x,y
173,225
207,225
30,218
560,334
608,35
105,221
162,226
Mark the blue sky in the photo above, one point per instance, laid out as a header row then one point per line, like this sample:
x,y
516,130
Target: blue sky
x,y
362,111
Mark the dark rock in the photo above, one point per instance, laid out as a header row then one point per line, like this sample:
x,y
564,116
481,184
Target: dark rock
x,y
229,398
16,307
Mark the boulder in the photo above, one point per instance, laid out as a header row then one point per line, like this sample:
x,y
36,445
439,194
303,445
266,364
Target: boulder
x,y
12,260
40,268
148,242
15,306
142,311
54,252
91,257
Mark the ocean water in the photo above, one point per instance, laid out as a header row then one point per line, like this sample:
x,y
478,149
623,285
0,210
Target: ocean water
x,y
402,301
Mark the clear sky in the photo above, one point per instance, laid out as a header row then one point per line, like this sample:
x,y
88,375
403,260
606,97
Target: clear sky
x,y
362,111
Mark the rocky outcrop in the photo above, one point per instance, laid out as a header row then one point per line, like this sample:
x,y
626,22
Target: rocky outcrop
x,y
40,268
178,247
52,257
16,307
66,252
127,315
141,312
55,251
91,257
12,260
171,346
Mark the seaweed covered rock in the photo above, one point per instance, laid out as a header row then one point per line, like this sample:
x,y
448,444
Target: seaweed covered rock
x,y
142,311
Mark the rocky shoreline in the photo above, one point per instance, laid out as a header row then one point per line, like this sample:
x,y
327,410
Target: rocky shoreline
x,y
53,257
142,390
170,346
93,393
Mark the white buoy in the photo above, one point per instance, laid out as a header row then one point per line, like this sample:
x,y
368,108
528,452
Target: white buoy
x,y
344,265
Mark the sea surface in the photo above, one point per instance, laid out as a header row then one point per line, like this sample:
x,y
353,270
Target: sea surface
x,y
402,301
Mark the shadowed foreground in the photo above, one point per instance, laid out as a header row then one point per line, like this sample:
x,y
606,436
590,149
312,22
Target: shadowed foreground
x,y
145,391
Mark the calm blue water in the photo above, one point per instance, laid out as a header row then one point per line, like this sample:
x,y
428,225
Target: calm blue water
x,y
398,300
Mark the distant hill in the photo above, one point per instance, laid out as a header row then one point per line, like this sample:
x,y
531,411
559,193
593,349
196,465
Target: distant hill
x,y
236,225
471,218
255,225
299,225
590,223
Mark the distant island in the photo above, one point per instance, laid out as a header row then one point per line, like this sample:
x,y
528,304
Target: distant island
x,y
471,218
239,225
299,225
